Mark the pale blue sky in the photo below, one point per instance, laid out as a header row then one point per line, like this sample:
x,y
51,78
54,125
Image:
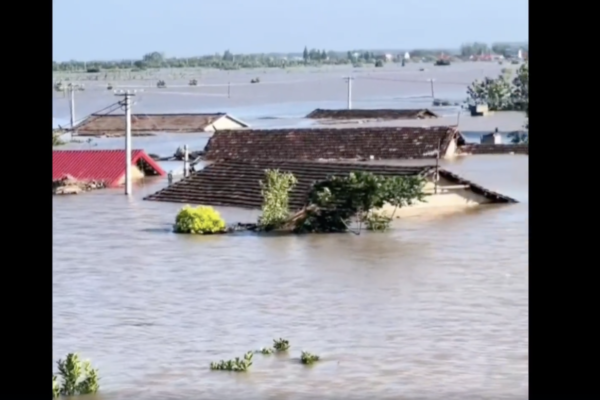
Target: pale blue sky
x,y
125,29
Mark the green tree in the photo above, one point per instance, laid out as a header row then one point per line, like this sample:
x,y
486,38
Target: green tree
x,y
472,49
305,54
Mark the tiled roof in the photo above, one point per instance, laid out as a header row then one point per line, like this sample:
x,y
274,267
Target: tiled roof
x,y
98,124
371,114
490,148
98,165
330,143
235,183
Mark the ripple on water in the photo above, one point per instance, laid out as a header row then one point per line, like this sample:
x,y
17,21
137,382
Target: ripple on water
x,y
436,305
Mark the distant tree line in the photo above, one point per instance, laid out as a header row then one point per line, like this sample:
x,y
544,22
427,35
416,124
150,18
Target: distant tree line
x,y
229,61
503,49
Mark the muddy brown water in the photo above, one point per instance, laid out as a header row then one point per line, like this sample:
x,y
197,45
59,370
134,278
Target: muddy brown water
x,y
436,306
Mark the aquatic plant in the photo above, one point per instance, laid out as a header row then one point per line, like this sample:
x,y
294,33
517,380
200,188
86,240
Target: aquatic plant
x,y
255,80
275,190
78,377
235,365
266,350
309,358
199,221
161,84
193,82
281,345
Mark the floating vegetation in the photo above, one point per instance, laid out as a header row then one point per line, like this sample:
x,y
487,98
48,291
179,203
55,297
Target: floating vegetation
x,y
236,365
309,358
281,345
255,80
266,350
78,377
193,82
161,84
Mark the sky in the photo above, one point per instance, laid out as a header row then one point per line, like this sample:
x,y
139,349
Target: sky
x,y
128,29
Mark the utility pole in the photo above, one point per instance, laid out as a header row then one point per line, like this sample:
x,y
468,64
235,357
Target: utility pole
x,y
432,90
127,95
349,80
186,165
71,88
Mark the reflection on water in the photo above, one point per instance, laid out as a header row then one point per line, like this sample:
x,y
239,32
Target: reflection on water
x,y
438,305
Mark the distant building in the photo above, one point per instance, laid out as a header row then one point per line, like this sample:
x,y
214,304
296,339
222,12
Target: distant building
x,y
114,125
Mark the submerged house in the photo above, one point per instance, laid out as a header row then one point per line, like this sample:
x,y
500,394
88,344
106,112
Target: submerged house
x,y
383,143
371,114
146,124
106,166
235,183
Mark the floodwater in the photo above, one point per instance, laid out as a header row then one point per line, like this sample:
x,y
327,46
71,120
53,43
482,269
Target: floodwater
x,y
284,96
436,306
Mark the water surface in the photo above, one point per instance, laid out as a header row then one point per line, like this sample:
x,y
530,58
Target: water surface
x,y
436,306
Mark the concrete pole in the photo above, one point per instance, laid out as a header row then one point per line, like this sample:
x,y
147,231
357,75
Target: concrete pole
x,y
128,144
72,105
185,161
349,80
127,105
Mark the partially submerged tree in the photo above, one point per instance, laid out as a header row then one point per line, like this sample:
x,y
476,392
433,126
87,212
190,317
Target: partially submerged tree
x,y
77,377
502,93
276,198
336,201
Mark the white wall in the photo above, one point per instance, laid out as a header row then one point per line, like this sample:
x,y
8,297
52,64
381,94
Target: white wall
x,y
223,123
446,200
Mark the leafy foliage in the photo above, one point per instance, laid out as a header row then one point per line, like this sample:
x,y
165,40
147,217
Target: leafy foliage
x,y
56,141
338,199
281,345
502,93
309,358
236,365
276,196
78,377
200,220
266,350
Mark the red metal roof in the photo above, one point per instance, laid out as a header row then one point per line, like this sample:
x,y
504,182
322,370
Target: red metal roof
x,y
99,165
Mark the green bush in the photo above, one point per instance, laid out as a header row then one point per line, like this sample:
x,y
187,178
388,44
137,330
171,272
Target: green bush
x,y
78,377
199,221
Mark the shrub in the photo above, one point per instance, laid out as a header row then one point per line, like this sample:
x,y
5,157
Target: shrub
x,y
309,358
334,202
199,221
281,344
375,221
78,377
236,365
276,196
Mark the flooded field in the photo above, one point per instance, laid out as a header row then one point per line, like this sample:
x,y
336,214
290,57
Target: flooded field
x,y
283,94
438,305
